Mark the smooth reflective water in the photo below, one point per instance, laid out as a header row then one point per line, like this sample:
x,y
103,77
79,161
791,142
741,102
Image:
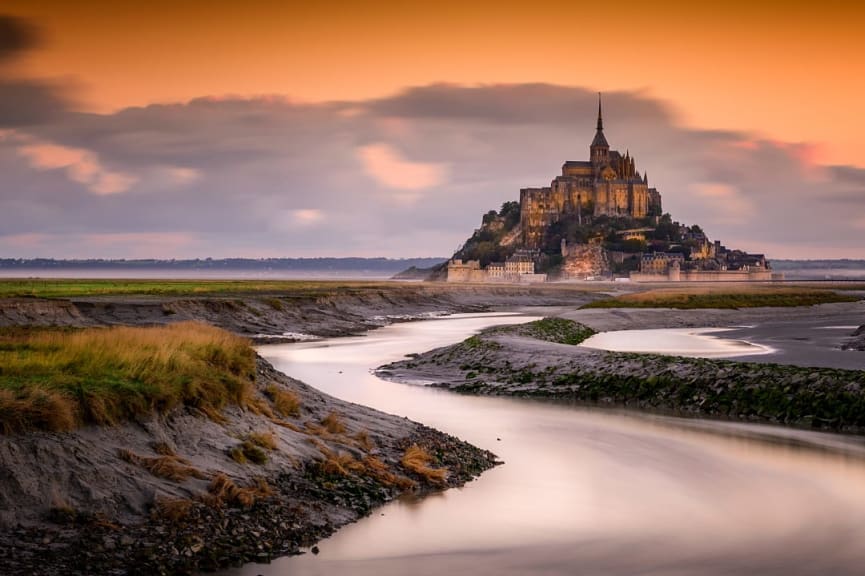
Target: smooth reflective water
x,y
702,342
587,491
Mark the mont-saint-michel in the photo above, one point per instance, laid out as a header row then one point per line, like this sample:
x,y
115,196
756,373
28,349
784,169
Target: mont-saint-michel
x,y
207,364
600,217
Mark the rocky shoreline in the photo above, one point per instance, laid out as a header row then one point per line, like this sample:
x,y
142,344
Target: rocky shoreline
x,y
76,503
510,362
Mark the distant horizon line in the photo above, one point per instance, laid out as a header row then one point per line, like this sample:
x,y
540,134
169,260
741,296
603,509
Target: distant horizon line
x,y
221,259
377,264
4,261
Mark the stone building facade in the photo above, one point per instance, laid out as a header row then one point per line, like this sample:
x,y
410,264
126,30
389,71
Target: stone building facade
x,y
607,184
519,268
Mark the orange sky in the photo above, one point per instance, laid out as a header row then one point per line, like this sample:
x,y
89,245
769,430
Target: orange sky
x,y
784,70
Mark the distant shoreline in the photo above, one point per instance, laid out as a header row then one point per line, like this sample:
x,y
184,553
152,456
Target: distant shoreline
x,y
350,268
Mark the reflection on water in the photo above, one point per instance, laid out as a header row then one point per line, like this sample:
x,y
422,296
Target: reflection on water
x,y
586,491
700,342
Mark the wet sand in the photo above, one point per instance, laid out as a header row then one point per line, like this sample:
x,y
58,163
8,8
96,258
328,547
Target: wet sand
x,y
807,336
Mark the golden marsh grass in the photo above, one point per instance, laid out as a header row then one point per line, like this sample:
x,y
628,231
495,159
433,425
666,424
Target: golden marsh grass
x,y
60,379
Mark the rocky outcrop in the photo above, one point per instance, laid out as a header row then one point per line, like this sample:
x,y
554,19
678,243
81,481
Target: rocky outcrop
x,y
582,261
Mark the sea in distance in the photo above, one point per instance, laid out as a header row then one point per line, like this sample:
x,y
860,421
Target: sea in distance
x,y
325,269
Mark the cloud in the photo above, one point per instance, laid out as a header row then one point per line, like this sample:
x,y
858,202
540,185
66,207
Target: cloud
x,y
24,241
181,176
16,36
401,176
103,245
725,203
139,243
80,165
306,216
512,104
390,169
24,102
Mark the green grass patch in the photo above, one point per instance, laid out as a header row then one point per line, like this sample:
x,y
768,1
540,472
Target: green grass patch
x,y
61,379
478,343
557,330
721,300
62,288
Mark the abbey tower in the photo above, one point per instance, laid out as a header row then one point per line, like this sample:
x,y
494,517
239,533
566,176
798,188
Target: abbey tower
x,y
607,184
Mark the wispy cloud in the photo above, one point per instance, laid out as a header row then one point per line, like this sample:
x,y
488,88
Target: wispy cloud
x,y
726,204
80,165
391,169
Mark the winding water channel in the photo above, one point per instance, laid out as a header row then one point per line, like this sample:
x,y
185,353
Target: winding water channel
x,y
586,491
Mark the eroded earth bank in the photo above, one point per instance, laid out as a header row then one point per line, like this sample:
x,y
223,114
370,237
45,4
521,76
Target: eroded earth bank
x,y
189,489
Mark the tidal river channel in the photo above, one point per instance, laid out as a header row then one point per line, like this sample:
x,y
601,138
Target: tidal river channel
x,y
585,491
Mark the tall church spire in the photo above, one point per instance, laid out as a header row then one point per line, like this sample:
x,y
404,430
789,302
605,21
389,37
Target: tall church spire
x,y
600,118
599,151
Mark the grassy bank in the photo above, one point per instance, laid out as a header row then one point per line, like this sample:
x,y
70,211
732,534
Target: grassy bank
x,y
61,379
558,330
717,297
60,288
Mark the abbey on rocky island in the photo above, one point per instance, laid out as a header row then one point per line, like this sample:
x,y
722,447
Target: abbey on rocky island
x,y
607,184
599,219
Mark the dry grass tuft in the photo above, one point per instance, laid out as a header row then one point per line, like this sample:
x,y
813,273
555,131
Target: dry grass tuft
x,y
163,449
340,463
417,460
236,454
172,467
59,379
333,423
248,451
173,510
263,439
260,406
345,464
288,425
379,470
61,511
364,440
36,408
285,402
314,429
223,491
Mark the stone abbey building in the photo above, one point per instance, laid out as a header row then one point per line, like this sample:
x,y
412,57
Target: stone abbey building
x,y
607,184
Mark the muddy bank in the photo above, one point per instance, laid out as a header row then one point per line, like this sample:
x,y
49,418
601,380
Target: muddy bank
x,y
184,492
641,318
508,362
283,316
857,340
